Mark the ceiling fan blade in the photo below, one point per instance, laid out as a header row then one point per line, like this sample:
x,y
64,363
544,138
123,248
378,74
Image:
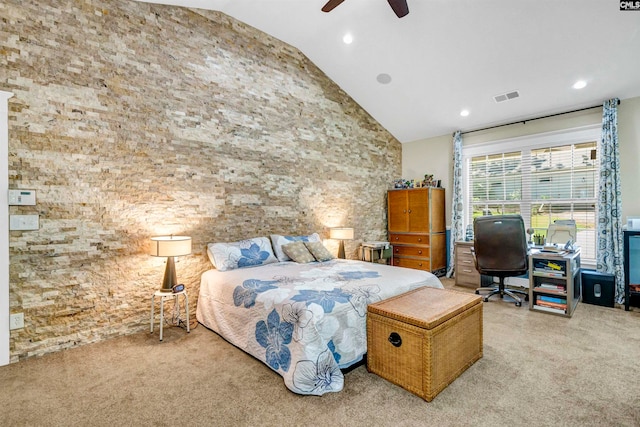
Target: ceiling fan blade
x,y
331,4
400,7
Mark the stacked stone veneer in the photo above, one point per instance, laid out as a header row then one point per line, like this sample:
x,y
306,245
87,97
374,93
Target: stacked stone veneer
x,y
132,120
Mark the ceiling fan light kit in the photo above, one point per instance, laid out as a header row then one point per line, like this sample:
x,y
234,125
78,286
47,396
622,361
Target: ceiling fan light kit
x,y
400,7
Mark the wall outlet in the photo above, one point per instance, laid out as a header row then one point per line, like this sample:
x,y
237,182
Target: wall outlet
x,y
16,321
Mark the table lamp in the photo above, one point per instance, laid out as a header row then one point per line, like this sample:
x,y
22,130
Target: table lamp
x,y
170,247
342,234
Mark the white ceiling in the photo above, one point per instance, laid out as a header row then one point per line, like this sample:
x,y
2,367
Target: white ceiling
x,y
449,55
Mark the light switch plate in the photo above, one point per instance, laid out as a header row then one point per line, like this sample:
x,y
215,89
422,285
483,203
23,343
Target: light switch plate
x,y
24,222
22,197
16,321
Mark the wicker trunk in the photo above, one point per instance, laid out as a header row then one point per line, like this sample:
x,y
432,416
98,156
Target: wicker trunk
x,y
424,339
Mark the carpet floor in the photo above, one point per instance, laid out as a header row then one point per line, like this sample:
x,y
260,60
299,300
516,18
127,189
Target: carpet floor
x,y
537,370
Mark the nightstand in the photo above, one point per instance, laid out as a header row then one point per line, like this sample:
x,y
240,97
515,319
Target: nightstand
x,y
176,297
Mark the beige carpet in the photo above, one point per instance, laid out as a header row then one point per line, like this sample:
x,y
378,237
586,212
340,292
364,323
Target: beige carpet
x,y
537,370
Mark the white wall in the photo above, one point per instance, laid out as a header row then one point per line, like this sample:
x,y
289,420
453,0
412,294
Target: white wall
x,y
435,155
4,228
629,137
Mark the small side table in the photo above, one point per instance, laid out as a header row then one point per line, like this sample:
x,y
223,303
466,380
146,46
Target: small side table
x,y
164,295
369,253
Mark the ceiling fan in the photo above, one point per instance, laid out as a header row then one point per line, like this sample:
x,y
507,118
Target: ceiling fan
x,y
399,6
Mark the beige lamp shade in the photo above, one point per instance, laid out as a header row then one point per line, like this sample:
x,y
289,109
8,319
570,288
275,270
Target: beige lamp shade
x,y
341,233
170,246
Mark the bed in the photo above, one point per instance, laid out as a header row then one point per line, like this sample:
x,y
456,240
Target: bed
x,y
306,321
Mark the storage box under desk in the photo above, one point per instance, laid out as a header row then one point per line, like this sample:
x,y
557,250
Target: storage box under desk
x,y
424,339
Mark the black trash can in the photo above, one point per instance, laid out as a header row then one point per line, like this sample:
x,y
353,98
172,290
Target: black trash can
x,y
598,288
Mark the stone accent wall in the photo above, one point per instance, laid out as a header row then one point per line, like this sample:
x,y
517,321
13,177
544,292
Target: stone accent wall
x,y
132,120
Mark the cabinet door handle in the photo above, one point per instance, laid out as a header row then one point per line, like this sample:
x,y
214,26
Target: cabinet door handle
x,y
419,252
467,271
404,211
397,237
420,264
419,239
466,261
409,210
397,250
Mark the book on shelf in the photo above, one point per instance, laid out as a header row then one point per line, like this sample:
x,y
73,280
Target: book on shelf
x,y
556,300
551,304
561,292
552,286
549,309
549,265
548,273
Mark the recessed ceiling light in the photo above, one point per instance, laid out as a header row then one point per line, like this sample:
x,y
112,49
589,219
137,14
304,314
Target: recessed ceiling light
x,y
383,78
579,84
348,38
464,113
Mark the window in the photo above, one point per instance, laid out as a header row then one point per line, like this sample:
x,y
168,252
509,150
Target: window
x,y
544,178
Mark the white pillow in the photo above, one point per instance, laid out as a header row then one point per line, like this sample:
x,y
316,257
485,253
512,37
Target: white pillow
x,y
279,240
245,253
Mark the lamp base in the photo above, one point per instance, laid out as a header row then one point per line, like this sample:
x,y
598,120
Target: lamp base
x,y
341,250
170,279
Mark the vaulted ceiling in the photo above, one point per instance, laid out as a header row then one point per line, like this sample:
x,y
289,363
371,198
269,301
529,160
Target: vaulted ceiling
x,y
416,74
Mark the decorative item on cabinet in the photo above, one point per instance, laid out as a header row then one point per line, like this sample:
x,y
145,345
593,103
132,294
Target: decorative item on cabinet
x,y
428,181
416,224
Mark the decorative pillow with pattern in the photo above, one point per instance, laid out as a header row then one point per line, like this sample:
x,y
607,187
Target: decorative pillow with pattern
x,y
279,240
298,252
245,253
319,252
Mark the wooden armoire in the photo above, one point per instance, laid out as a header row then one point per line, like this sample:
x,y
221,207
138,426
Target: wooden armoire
x,y
417,228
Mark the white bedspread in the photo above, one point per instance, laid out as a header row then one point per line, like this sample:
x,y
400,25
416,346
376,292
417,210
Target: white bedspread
x,y
305,321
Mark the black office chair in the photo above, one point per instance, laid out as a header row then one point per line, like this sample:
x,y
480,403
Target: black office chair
x,y
500,249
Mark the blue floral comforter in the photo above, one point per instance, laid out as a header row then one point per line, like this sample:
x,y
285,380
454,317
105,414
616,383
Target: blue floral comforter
x,y
305,321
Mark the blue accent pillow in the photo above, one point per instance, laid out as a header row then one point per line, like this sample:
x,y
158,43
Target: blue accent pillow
x,y
245,253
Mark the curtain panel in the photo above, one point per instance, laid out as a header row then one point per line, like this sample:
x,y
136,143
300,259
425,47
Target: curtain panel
x,y
457,201
609,253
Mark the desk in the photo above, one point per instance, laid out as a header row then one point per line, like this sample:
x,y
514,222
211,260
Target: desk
x,y
554,282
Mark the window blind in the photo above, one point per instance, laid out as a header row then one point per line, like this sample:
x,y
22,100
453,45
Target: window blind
x,y
544,178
